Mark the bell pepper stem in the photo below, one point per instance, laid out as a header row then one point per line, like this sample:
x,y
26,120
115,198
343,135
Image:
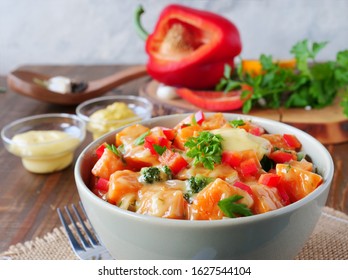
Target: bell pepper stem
x,y
139,28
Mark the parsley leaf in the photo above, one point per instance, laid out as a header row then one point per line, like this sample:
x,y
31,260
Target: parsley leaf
x,y
141,139
159,149
206,148
311,84
236,123
113,149
232,209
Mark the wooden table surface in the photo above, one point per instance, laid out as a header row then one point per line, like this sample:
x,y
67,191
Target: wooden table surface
x,y
28,202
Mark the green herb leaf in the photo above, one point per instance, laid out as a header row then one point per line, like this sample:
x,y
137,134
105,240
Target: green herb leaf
x,y
236,123
113,149
206,148
232,209
311,84
159,149
141,139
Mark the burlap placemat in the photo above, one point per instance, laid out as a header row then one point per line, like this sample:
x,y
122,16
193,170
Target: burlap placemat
x,y
329,241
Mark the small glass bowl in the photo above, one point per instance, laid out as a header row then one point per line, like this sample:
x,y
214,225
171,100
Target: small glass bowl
x,y
109,121
46,143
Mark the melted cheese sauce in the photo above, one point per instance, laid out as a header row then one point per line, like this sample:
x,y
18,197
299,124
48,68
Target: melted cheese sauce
x,y
235,139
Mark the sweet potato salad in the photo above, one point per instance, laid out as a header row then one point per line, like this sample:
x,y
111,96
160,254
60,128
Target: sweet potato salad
x,y
204,168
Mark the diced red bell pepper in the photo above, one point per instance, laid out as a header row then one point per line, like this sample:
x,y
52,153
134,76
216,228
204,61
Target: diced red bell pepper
x,y
269,179
292,141
212,101
244,187
169,133
173,160
100,150
151,141
280,156
283,194
190,47
250,167
231,158
102,184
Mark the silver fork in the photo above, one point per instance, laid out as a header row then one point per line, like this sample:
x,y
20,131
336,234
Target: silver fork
x,y
85,244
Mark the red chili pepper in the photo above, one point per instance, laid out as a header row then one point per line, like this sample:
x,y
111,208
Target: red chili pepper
x,y
190,47
212,100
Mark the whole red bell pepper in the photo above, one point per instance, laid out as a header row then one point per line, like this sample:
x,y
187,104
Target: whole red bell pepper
x,y
190,47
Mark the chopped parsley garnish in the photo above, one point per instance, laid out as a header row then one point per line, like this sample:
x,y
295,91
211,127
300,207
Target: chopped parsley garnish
x,y
206,148
232,209
236,123
113,149
159,149
141,139
310,84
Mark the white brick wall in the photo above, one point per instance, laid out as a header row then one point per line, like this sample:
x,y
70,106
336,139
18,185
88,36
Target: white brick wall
x,y
102,31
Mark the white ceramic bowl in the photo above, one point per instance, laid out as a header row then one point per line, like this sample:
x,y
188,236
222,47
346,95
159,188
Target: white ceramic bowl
x,y
141,107
49,155
278,234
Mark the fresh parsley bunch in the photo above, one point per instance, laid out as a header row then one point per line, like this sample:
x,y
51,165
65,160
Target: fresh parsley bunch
x,y
206,148
312,84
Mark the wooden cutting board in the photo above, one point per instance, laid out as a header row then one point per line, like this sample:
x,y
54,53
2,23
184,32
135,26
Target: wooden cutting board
x,y
329,125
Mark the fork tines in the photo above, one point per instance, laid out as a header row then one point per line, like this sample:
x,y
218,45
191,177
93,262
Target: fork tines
x,y
84,243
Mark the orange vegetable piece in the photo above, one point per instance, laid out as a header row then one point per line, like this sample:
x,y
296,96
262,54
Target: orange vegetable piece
x,y
107,164
265,198
205,204
129,134
254,67
122,183
184,133
296,181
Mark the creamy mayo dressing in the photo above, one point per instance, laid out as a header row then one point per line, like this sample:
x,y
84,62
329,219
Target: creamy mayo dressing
x,y
108,119
235,139
44,151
